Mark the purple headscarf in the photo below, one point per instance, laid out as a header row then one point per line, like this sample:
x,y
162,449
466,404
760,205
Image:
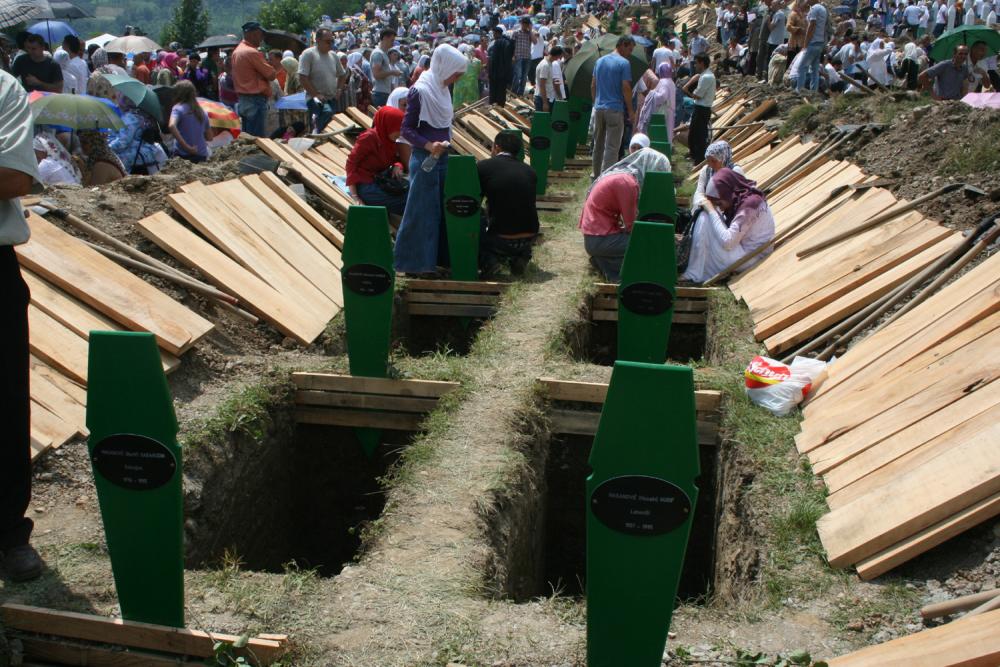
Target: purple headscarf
x,y
728,186
664,95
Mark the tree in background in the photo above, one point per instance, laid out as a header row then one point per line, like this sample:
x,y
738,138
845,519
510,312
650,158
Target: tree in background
x,y
189,25
295,16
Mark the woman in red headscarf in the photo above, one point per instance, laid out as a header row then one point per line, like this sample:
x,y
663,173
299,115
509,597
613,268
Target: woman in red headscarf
x,y
737,221
375,165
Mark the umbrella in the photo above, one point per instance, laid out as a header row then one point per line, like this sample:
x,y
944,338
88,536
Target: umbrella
x,y
470,23
641,41
983,100
52,31
567,6
284,40
510,20
13,12
101,40
296,102
219,42
78,112
945,45
64,10
580,69
472,38
140,94
219,115
132,44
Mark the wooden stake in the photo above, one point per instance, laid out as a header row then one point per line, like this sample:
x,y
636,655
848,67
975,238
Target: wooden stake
x,y
949,607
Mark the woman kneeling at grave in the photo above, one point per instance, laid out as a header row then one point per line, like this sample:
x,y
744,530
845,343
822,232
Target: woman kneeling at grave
x,y
611,208
736,220
375,165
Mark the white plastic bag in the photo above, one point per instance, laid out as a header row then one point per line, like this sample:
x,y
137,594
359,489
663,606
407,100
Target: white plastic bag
x,y
780,387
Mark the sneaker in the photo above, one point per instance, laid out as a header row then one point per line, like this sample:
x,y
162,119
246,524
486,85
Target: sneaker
x,y
22,563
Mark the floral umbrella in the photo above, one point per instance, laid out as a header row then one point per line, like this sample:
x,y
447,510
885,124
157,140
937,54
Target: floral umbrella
x,y
77,112
219,115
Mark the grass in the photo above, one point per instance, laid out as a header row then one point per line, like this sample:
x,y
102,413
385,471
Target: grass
x,y
248,411
869,614
979,152
798,120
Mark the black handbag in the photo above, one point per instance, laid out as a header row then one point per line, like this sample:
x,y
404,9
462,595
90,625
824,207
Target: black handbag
x,y
390,183
685,225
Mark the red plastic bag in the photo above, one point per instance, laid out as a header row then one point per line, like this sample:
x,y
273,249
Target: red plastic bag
x,y
780,387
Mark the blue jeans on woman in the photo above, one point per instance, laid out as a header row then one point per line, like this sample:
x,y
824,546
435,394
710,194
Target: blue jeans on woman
x,y
421,233
372,195
809,67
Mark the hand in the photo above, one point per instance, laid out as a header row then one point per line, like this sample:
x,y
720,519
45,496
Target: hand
x,y
31,80
438,148
397,171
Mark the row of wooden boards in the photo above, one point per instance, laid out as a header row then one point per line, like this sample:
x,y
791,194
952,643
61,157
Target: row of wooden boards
x,y
261,243
793,299
76,290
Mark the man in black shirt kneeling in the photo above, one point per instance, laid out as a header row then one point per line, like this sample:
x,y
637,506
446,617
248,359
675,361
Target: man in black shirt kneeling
x,y
510,218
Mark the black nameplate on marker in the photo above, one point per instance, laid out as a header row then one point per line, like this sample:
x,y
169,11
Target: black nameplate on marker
x,y
541,143
134,461
560,125
646,298
640,505
574,116
367,279
462,205
656,217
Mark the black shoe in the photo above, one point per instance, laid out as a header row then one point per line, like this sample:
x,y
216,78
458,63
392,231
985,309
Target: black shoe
x,y
22,563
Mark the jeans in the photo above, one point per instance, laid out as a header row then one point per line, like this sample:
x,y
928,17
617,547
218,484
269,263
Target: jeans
x,y
421,241
320,113
379,99
607,253
372,195
495,251
521,66
15,446
539,103
809,67
253,114
609,125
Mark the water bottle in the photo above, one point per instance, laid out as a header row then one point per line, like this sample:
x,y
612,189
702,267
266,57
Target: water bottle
x,y
431,160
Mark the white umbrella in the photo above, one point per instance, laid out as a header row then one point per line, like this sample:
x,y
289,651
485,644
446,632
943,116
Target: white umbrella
x,y
13,12
132,44
101,40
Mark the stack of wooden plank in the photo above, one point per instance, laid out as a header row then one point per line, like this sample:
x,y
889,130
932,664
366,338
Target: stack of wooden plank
x,y
904,430
75,290
262,244
792,299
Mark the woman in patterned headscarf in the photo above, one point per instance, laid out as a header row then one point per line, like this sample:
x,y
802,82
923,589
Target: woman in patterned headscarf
x,y
718,155
101,164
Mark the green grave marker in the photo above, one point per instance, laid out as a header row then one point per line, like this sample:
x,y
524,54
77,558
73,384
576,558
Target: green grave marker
x,y
577,122
658,138
368,279
560,134
137,469
684,34
613,27
641,498
462,196
520,142
646,293
657,200
541,148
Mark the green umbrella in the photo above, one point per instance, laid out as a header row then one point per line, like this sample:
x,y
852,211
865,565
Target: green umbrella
x,y
140,94
79,112
944,47
580,69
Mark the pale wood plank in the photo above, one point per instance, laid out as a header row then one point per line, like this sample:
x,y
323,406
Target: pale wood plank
x,y
321,224
366,385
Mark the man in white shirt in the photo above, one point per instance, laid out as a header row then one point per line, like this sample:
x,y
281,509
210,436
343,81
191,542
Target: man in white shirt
x,y
941,19
77,65
912,17
704,97
662,55
548,80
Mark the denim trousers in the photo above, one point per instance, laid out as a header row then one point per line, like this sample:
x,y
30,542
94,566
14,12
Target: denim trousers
x,y
521,66
372,195
321,113
809,67
253,114
421,235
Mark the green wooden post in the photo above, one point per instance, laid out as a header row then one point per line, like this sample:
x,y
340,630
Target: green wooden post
x,y
560,134
613,27
520,142
658,200
137,469
658,138
541,148
462,196
684,34
646,293
368,279
641,498
577,125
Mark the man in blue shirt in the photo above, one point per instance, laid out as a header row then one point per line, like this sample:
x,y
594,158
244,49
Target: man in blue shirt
x,y
611,90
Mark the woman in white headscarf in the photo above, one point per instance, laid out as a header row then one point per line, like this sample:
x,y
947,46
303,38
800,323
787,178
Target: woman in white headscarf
x,y
397,98
427,127
877,61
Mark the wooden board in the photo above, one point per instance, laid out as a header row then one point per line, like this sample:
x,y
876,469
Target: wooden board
x,y
970,642
325,227
290,316
55,344
87,655
348,383
97,281
706,400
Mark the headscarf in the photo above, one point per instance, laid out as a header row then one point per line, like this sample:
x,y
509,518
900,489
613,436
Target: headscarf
x,y
387,120
291,67
396,96
664,93
55,151
639,138
287,54
94,145
435,98
99,58
721,151
354,61
169,59
637,164
728,186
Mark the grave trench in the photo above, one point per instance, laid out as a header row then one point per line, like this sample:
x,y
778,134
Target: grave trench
x,y
296,493
420,335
